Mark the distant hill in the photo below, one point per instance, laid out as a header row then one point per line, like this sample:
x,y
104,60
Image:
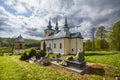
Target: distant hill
x,y
31,41
28,42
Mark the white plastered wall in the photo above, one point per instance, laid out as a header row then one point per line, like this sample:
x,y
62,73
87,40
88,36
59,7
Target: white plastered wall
x,y
57,42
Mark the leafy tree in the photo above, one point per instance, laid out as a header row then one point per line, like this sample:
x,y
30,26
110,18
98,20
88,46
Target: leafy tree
x,y
100,33
100,38
104,44
88,45
115,36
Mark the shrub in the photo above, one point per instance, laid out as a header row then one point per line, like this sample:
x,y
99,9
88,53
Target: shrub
x,y
42,53
32,53
38,56
24,56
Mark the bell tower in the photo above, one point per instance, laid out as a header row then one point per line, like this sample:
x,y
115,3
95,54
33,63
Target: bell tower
x,y
19,45
66,28
49,29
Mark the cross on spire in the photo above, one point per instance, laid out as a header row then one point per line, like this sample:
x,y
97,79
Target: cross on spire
x,y
56,28
49,25
66,24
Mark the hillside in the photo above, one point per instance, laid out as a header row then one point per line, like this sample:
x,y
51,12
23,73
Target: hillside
x,y
9,41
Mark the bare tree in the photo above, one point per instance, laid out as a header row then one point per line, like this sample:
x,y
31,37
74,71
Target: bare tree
x,y
93,37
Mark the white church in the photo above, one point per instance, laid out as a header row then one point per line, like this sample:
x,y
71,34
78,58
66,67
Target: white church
x,y
61,41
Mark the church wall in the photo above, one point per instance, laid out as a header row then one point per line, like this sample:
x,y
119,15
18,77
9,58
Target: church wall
x,y
73,45
57,48
18,51
17,45
41,45
50,43
80,44
67,45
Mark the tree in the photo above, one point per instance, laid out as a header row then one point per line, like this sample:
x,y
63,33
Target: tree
x,y
100,37
100,33
88,45
104,45
115,36
93,37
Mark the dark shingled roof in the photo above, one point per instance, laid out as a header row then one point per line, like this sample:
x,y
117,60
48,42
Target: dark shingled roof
x,y
19,39
76,35
63,34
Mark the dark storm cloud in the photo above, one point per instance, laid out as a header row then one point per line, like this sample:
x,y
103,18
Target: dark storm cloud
x,y
1,29
95,12
31,29
3,25
33,32
84,14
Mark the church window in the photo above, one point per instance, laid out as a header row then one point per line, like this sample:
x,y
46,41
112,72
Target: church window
x,y
60,45
54,45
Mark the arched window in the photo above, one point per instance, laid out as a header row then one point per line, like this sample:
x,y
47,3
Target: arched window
x,y
60,45
54,45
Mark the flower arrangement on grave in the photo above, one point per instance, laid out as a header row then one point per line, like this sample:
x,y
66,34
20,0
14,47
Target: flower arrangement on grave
x,y
63,62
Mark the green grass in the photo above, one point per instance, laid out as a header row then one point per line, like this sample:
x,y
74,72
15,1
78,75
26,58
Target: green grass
x,y
11,68
112,59
109,58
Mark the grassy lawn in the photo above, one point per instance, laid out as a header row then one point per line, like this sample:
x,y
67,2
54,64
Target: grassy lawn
x,y
11,68
109,58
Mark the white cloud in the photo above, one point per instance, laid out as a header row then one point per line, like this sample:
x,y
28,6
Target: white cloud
x,y
86,13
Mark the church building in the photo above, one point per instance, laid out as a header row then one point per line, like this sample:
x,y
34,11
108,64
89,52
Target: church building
x,y
61,41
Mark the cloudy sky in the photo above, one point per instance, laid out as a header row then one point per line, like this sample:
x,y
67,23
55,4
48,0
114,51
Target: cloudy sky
x,y
30,17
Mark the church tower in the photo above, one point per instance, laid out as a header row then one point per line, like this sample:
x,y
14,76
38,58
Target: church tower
x,y
19,45
49,29
66,28
56,27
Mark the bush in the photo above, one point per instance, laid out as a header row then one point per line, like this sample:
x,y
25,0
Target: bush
x,y
32,53
24,56
42,53
38,56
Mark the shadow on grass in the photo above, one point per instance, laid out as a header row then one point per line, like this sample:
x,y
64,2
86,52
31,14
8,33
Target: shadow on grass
x,y
97,54
95,71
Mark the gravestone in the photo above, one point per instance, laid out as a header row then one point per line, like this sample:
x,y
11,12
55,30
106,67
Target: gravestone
x,y
80,57
44,61
80,62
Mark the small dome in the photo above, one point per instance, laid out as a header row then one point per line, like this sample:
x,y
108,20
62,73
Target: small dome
x,y
19,39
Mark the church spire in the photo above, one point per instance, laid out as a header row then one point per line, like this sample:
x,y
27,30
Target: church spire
x,y
56,28
66,24
66,28
49,25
